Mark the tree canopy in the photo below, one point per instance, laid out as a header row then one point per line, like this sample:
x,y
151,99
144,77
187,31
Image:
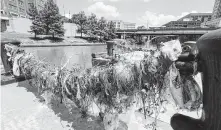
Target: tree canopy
x,y
80,20
51,19
32,12
47,21
37,26
93,26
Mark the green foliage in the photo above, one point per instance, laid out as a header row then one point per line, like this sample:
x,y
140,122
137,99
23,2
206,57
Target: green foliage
x,y
46,21
94,27
102,28
111,30
32,12
36,26
141,27
80,20
51,19
92,22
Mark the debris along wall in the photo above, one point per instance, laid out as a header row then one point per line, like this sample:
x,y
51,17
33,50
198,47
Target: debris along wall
x,y
137,77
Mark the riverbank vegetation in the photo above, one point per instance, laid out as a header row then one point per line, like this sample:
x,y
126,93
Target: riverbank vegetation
x,y
113,88
137,80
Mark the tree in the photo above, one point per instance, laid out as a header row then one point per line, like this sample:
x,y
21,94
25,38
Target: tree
x,y
141,27
102,28
80,20
36,26
51,19
92,25
32,12
111,30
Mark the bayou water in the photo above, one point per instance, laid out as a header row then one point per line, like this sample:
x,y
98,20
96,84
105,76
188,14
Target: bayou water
x,y
69,55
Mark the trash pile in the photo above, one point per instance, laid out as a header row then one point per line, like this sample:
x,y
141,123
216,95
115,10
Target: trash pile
x,y
139,77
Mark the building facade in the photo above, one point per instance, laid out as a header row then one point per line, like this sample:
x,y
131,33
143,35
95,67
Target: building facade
x,y
119,24
128,26
190,20
19,8
183,24
202,17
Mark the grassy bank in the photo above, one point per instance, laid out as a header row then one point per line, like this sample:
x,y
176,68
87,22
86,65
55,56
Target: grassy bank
x,y
46,41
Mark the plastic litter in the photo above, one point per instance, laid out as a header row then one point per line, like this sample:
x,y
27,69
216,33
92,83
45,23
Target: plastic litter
x,y
16,69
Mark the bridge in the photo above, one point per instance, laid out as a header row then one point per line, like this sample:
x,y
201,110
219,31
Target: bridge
x,y
191,33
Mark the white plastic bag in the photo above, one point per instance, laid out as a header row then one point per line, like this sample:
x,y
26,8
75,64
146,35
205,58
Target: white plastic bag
x,y
191,93
175,86
171,49
16,70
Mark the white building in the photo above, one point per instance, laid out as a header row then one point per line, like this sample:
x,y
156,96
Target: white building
x,y
119,24
128,25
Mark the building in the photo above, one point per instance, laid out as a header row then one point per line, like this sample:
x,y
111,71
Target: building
x,y
190,20
216,16
38,3
19,8
4,23
128,25
202,17
183,24
119,24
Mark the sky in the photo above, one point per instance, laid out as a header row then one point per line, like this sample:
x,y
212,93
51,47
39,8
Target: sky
x,y
142,12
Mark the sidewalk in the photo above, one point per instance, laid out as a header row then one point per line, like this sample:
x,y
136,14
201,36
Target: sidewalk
x,y
22,109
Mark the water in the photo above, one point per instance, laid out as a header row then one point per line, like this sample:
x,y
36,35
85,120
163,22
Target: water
x,y
72,55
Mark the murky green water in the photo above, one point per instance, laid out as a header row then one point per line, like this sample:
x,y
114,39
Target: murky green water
x,y
72,55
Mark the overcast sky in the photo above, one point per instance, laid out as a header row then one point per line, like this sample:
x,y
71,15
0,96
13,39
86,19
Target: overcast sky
x,y
141,12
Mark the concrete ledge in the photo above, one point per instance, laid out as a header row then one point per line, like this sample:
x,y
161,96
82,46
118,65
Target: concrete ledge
x,y
10,78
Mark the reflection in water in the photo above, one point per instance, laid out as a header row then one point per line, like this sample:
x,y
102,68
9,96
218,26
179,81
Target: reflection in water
x,y
74,55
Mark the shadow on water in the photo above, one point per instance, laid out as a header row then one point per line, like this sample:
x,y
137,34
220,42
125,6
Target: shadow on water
x,y
73,117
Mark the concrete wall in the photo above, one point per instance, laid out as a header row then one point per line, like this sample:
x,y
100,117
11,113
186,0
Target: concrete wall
x,y
70,29
22,25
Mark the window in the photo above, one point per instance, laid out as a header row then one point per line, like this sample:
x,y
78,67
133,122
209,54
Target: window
x,y
20,2
30,5
12,7
2,11
42,2
21,10
31,1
